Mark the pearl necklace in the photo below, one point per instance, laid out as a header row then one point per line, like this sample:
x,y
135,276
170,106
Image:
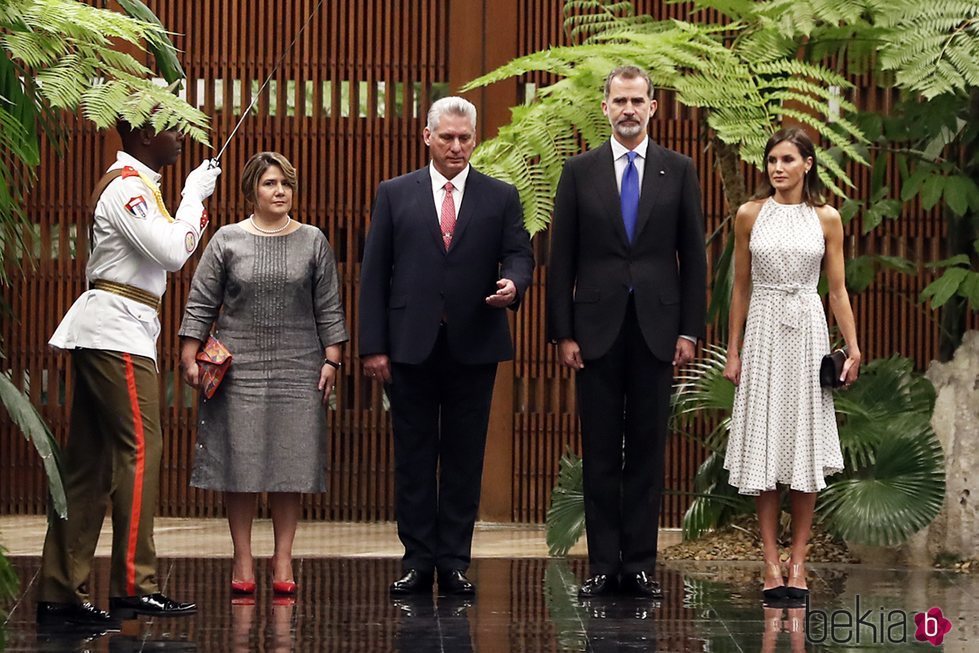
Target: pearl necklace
x,y
270,231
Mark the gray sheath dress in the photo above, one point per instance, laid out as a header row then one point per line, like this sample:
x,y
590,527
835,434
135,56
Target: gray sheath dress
x,y
275,304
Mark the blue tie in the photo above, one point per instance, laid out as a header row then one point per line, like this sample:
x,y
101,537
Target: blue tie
x,y
629,196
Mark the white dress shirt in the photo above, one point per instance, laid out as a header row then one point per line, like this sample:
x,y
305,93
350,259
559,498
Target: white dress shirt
x,y
619,152
135,242
438,189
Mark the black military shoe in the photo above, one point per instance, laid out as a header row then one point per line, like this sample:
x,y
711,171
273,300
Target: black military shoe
x,y
455,583
69,615
640,584
597,585
151,605
413,582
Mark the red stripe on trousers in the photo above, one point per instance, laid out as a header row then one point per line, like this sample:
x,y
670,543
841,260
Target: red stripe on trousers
x,y
137,480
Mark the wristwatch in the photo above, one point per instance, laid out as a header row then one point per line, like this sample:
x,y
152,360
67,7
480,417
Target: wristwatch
x,y
334,364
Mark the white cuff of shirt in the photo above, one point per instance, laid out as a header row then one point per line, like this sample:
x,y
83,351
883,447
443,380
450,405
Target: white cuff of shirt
x,y
690,338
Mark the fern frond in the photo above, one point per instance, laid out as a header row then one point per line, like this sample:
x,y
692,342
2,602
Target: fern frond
x,y
938,48
590,18
68,46
743,98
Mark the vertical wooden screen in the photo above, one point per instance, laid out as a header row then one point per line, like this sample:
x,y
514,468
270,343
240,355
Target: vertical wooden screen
x,y
347,106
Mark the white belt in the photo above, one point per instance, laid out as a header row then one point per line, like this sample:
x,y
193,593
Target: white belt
x,y
792,312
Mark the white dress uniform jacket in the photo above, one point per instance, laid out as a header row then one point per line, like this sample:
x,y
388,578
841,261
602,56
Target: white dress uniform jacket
x,y
135,242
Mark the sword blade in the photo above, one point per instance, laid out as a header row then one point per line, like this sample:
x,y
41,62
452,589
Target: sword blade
x,y
268,79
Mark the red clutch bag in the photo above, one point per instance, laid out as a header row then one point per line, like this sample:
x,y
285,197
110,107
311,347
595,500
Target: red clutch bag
x,y
213,361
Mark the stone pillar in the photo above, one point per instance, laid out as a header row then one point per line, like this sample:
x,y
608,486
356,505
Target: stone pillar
x,y
956,422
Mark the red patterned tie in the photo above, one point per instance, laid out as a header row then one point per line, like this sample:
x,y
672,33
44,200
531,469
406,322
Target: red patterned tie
x,y
448,220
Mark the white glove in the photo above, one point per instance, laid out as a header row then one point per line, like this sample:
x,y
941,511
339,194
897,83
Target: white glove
x,y
200,182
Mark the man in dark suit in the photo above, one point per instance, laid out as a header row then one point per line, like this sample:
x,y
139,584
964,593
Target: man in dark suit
x,y
446,253
626,303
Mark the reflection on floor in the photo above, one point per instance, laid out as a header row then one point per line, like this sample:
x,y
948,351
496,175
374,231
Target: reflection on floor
x,y
523,605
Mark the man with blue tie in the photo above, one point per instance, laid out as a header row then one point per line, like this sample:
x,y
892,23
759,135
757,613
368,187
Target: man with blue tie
x,y
626,303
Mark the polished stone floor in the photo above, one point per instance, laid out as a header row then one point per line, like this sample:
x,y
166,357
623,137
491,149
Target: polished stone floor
x,y
523,604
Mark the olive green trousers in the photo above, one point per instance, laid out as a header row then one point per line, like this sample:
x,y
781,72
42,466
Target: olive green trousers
x,y
112,458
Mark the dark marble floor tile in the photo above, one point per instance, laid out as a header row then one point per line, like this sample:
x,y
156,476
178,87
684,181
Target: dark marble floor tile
x,y
522,605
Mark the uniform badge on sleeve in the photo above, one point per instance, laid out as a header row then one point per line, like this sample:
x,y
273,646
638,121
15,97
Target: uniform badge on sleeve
x,y
137,207
190,242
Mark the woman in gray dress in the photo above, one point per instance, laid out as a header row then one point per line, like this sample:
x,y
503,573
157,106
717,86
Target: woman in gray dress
x,y
268,285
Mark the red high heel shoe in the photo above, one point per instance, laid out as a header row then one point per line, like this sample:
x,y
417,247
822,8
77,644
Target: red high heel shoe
x,y
242,587
284,587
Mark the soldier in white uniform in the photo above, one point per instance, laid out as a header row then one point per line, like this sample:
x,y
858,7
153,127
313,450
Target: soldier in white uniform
x,y
114,441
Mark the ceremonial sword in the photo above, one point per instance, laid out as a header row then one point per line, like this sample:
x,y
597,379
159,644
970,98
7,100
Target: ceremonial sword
x,y
214,161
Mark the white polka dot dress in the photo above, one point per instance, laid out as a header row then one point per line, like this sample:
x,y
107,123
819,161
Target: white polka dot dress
x,y
783,427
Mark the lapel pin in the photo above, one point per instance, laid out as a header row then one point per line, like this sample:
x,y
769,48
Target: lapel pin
x,y
662,172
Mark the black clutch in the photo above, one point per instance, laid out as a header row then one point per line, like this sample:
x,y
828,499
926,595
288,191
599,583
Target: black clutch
x,y
831,368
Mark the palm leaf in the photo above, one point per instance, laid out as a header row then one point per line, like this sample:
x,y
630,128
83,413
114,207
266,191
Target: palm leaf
x,y
25,416
887,388
900,493
721,287
701,387
716,502
563,611
566,515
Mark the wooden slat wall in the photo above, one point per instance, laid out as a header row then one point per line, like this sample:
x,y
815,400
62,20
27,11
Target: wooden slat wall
x,y
332,109
348,106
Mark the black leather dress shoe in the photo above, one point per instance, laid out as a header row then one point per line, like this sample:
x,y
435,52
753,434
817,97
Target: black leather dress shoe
x,y
71,615
640,584
151,605
597,585
455,583
413,582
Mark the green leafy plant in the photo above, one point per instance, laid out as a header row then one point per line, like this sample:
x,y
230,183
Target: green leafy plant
x,y
893,478
8,592
934,147
23,413
566,515
894,481
563,610
162,48
57,56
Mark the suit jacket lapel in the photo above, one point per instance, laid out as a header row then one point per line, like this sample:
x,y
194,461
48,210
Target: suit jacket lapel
x,y
608,191
426,206
652,182
469,200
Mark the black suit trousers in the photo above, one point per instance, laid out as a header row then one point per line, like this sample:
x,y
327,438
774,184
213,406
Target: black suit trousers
x,y
624,405
440,409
